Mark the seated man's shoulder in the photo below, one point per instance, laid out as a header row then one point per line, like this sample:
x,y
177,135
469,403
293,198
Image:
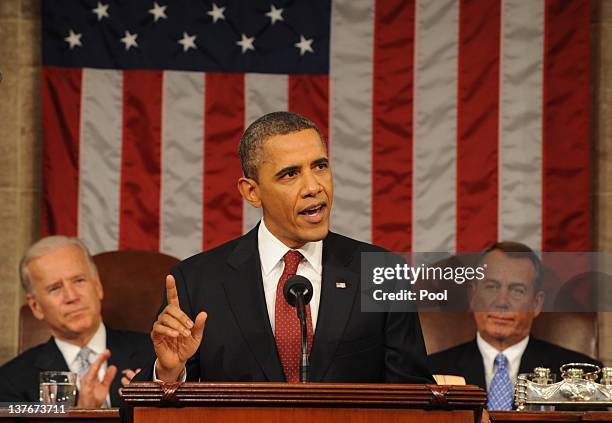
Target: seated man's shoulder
x,y
24,361
19,376
561,354
448,354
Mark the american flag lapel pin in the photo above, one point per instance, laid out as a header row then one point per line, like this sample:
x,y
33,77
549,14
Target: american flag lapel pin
x,y
341,285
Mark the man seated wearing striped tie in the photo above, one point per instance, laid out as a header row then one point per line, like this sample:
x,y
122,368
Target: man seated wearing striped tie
x,y
505,303
63,288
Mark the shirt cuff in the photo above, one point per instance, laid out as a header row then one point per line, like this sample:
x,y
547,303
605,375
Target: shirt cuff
x,y
182,377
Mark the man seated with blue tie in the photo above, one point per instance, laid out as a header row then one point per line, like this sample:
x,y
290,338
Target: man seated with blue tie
x,y
505,303
63,288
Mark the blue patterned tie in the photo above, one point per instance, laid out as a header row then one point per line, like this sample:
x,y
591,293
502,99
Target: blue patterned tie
x,y
84,360
500,390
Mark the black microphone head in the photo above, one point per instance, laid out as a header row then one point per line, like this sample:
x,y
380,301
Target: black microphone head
x,y
297,284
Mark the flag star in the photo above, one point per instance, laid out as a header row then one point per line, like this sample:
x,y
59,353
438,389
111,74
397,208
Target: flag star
x,y
158,12
73,39
275,14
129,40
304,45
216,12
246,43
188,41
101,11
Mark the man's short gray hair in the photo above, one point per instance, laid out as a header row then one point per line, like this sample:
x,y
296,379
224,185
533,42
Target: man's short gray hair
x,y
45,246
267,126
514,249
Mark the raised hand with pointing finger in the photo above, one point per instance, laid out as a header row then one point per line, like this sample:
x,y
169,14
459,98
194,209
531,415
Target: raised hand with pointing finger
x,y
175,336
286,172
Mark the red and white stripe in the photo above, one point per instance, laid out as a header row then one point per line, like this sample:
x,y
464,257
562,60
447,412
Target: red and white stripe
x,y
263,94
434,205
451,124
350,111
100,157
183,163
520,121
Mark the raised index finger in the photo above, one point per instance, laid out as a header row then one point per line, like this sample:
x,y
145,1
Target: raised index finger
x,y
171,292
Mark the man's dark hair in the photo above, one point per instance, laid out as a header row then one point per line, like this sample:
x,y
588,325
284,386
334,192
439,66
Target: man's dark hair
x,y
517,250
267,126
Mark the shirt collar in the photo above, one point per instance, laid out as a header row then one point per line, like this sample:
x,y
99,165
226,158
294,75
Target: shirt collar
x,y
97,344
512,353
272,250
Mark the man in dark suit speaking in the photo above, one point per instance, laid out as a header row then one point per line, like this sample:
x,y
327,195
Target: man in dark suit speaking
x,y
505,303
226,318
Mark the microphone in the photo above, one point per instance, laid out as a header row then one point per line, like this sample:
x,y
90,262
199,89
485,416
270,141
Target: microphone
x,y
298,292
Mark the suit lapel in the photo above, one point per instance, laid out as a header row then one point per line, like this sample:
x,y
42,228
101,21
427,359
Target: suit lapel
x,y
471,365
335,304
246,297
51,358
532,358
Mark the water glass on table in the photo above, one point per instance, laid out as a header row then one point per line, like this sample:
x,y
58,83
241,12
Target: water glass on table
x,y
58,388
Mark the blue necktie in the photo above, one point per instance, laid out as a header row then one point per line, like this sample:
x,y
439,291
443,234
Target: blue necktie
x,y
84,360
500,390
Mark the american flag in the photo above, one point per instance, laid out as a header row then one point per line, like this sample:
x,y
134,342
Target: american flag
x,y
451,123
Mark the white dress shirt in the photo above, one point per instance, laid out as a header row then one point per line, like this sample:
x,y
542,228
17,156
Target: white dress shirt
x,y
271,253
512,353
97,344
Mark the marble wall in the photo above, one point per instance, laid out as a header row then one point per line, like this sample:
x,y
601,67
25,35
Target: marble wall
x,y
20,153
601,70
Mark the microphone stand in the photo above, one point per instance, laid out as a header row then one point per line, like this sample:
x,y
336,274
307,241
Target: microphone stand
x,y
301,313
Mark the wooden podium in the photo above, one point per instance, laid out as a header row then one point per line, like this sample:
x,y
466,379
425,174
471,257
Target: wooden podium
x,y
301,403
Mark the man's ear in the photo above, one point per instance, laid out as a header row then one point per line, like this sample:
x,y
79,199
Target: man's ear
x,y
250,191
35,307
539,303
99,288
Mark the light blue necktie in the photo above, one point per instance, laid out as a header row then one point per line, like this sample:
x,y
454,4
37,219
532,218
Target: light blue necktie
x,y
500,390
84,360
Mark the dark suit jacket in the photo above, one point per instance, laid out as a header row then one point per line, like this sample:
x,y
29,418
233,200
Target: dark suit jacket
x,y
465,360
238,344
19,377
